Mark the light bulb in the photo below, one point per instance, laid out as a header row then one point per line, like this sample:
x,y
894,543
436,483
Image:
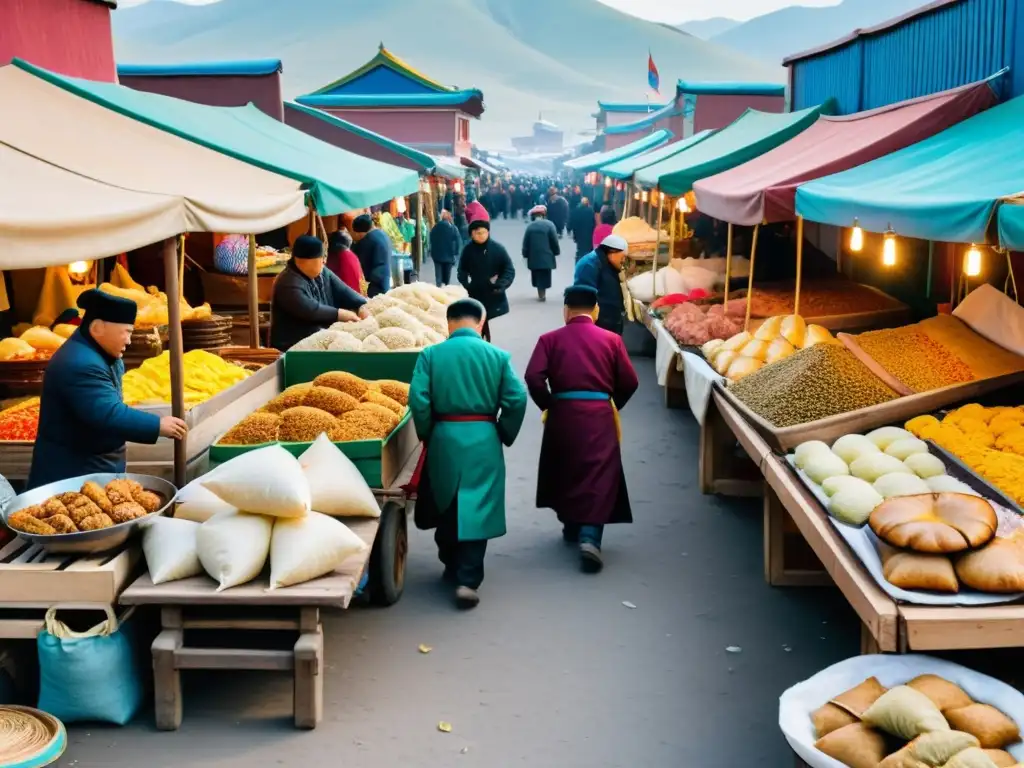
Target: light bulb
x,y
856,238
972,266
79,268
636,195
889,249
400,204
643,196
682,205
607,181
458,186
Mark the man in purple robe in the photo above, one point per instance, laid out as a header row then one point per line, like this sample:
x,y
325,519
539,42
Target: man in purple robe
x,y
580,376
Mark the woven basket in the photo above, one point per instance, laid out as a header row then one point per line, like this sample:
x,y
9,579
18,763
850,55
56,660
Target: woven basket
x,y
30,737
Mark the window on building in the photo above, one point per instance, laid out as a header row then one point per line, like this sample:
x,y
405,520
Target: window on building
x,y
463,129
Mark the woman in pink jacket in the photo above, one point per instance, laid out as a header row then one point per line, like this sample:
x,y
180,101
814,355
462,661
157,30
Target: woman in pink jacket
x,y
608,220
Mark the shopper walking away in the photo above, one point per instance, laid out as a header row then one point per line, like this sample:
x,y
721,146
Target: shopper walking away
x,y
558,211
343,262
373,247
601,269
582,222
466,402
486,272
540,249
445,245
580,376
608,219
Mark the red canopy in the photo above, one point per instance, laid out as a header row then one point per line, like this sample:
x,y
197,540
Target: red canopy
x,y
763,189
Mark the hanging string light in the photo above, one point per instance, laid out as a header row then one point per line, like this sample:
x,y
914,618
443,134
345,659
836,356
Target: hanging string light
x,y
79,269
457,187
889,248
972,264
643,196
682,205
607,182
400,204
856,237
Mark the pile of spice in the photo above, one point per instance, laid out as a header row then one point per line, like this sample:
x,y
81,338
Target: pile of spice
x,y
20,422
914,358
815,383
985,359
819,298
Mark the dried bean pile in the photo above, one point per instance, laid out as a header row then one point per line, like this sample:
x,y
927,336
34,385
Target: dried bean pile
x,y
912,357
824,380
984,358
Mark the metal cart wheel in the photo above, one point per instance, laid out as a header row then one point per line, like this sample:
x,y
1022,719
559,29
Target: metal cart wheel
x,y
388,556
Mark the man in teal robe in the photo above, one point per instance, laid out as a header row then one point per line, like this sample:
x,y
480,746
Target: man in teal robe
x,y
467,402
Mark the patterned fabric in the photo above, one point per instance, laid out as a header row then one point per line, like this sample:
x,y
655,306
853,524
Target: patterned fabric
x,y
231,255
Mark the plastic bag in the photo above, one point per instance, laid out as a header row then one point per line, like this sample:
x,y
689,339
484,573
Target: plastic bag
x,y
337,487
305,548
233,547
267,481
88,676
171,549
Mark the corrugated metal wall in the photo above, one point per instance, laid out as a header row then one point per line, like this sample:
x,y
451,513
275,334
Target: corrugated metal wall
x,y
952,46
835,74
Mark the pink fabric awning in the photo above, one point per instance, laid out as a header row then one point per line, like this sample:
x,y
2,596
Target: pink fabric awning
x,y
763,190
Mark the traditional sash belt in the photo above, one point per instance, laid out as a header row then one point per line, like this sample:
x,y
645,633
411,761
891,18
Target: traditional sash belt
x,y
587,395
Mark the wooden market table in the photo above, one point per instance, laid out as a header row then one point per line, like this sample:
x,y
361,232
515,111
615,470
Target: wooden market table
x,y
794,520
193,605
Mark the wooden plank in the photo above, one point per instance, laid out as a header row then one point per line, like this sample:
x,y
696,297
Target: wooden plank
x,y
20,629
282,625
167,680
721,470
66,578
233,658
876,609
932,628
309,679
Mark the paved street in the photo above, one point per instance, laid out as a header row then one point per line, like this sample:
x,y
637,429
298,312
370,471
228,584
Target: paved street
x,y
552,670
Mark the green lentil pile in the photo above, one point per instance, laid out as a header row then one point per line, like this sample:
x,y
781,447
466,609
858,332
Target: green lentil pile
x,y
914,358
824,380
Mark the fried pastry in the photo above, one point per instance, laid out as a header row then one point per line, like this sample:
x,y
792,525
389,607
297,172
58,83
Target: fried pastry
x,y
69,499
82,511
96,522
94,491
20,521
54,506
122,513
119,492
148,500
62,524
35,511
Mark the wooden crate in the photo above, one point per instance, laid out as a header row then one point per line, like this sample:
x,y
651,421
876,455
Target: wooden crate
x,y
31,580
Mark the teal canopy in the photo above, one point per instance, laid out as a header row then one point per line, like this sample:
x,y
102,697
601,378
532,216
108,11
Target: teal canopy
x,y
753,133
945,188
1011,225
338,181
596,160
624,169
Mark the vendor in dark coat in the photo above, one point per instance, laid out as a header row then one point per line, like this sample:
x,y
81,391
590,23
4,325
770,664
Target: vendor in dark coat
x,y
600,269
83,421
373,247
540,247
445,244
558,211
582,223
486,272
308,298
581,376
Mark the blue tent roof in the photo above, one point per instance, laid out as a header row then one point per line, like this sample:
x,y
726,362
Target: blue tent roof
x,y
620,106
254,68
645,122
624,169
945,188
731,89
437,99
596,160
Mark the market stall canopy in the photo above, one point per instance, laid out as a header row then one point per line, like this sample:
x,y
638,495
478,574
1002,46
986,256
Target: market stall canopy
x,y
944,188
596,160
624,169
763,189
648,121
337,181
219,193
354,138
1011,225
51,216
751,134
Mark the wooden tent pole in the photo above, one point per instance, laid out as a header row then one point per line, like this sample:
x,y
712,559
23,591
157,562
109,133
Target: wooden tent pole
x,y
181,268
254,296
672,231
657,240
728,265
750,277
417,246
799,261
177,363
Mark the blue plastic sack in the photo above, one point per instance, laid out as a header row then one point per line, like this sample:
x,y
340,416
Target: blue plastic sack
x,y
231,255
88,676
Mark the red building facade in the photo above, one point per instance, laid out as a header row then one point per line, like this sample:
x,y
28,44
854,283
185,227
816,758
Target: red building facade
x,y
72,37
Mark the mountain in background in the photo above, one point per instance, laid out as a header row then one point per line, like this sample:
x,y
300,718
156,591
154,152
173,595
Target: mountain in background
x,y
791,30
527,56
706,29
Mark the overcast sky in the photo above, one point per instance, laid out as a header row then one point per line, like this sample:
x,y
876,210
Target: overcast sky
x,y
674,11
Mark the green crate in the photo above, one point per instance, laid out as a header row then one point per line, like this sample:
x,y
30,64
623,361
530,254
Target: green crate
x,y
304,366
378,461
369,456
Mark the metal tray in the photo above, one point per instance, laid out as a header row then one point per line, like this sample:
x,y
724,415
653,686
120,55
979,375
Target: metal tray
x,y
88,542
